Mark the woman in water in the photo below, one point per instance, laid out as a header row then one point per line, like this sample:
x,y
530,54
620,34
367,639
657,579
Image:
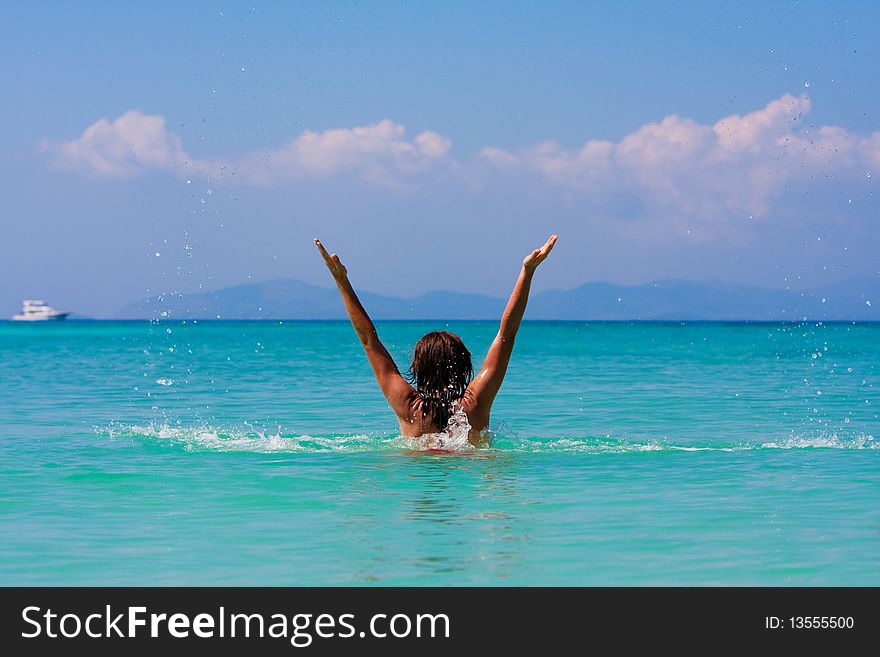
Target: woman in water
x,y
441,368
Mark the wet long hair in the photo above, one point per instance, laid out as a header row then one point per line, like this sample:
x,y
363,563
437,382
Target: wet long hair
x,y
440,372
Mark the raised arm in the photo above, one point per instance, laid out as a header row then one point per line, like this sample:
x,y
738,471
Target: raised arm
x,y
482,390
397,391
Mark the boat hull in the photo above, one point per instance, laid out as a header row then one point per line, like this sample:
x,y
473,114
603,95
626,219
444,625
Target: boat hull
x,y
54,317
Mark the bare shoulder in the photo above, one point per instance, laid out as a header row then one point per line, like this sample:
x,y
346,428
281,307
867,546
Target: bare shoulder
x,y
469,401
476,411
412,420
406,403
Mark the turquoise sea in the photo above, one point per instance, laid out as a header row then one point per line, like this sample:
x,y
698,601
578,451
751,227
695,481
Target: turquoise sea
x,y
262,453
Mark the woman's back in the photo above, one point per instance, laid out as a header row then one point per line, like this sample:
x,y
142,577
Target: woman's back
x,y
465,419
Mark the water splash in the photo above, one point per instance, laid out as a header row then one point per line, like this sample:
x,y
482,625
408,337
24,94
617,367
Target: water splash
x,y
827,441
250,439
609,445
211,439
453,438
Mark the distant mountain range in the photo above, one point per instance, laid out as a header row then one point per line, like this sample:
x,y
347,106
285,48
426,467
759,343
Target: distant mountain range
x,y
855,299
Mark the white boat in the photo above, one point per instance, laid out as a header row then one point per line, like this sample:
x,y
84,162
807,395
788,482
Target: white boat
x,y
35,310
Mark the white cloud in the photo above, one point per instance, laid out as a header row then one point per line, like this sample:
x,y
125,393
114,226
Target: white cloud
x,y
136,143
759,130
675,170
741,164
133,143
380,152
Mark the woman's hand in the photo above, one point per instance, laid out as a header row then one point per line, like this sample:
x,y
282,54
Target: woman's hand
x,y
332,261
538,256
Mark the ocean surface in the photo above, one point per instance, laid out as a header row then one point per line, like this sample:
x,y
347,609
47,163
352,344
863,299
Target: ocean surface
x,y
262,453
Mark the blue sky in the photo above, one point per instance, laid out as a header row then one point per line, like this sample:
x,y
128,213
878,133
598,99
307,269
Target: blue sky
x,y
434,144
